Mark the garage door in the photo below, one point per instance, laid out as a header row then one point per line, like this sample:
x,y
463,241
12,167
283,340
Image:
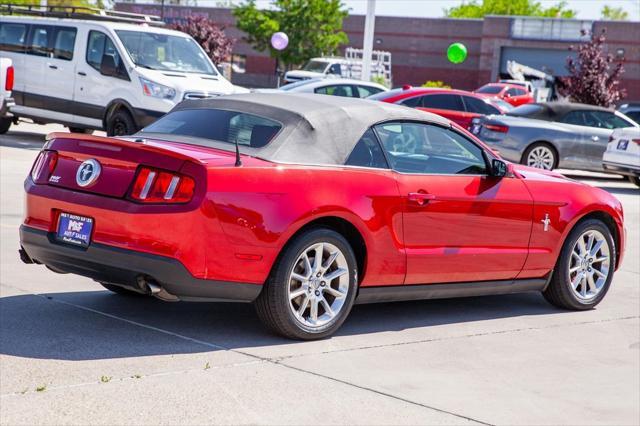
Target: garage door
x,y
551,61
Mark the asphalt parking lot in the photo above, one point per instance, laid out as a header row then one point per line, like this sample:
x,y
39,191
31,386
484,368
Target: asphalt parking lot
x,y
73,353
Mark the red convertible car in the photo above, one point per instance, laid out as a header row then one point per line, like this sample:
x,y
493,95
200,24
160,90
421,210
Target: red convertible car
x,y
307,204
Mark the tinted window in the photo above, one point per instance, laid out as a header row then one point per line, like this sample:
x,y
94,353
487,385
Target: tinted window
x,y
490,89
98,46
519,92
337,90
367,153
608,120
479,106
217,125
13,37
443,101
429,149
634,115
335,69
574,117
416,101
65,40
39,44
366,91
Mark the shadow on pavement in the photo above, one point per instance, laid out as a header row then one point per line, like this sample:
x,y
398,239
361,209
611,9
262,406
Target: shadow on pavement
x,y
25,140
34,327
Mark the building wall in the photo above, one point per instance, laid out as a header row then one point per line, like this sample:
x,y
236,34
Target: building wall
x,y
418,46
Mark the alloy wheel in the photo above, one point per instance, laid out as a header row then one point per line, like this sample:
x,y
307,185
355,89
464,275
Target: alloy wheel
x,y
589,265
318,285
541,157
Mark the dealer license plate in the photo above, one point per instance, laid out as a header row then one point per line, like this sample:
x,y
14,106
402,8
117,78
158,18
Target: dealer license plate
x,y
74,229
622,144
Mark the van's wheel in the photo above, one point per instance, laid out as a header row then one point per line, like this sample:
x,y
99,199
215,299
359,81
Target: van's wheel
x,y
634,179
585,268
311,290
120,123
121,290
5,125
80,130
540,156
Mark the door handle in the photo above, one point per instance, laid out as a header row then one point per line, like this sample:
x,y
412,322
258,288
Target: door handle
x,y
82,73
595,138
53,67
420,198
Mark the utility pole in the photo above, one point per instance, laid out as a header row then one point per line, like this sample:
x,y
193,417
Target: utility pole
x,y
367,48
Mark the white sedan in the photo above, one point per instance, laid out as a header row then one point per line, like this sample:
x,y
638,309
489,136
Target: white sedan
x,y
623,153
332,86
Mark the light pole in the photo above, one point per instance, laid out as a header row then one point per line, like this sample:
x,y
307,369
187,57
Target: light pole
x,y
367,48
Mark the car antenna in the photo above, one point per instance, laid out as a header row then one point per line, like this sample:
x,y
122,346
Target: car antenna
x,y
238,161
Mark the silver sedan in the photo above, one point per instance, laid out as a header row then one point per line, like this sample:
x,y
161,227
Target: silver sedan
x,y
552,135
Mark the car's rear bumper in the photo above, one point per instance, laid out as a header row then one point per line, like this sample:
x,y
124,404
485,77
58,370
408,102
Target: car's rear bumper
x,y
622,169
129,268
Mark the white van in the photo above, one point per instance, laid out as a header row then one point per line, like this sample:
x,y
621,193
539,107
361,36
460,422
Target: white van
x,y
97,74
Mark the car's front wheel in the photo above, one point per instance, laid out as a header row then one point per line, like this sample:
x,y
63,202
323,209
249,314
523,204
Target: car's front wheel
x,y
540,156
121,124
585,268
311,290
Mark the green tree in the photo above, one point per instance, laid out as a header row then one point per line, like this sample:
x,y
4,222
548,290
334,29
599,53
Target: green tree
x,y
314,28
614,14
481,8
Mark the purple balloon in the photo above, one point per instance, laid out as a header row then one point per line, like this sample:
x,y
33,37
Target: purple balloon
x,y
279,40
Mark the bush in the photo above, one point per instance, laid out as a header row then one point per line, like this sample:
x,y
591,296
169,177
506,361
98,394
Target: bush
x,y
436,83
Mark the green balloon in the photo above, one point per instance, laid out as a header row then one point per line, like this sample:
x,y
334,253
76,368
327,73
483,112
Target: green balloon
x,y
457,53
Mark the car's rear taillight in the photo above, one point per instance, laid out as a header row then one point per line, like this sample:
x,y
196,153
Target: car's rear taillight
x,y
8,84
636,141
161,186
497,128
44,166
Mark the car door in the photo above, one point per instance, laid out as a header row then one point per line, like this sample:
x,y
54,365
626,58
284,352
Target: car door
x,y
579,132
519,96
59,69
459,224
37,50
447,105
601,126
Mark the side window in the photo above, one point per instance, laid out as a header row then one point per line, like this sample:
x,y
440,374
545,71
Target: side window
x,y
39,40
99,45
519,92
338,90
512,92
574,117
13,37
367,153
443,101
335,69
429,149
366,91
414,102
479,106
65,40
609,120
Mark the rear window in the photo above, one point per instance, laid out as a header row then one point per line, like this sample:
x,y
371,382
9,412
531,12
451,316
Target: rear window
x,y
217,125
492,90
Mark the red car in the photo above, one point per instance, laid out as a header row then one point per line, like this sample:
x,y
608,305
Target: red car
x,y
511,93
307,204
457,105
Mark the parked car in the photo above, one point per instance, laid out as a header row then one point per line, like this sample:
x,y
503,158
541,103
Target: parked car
x,y
623,154
337,87
526,84
631,110
89,74
6,101
511,93
234,198
553,134
456,105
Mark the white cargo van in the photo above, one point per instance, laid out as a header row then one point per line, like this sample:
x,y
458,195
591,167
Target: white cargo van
x,y
117,72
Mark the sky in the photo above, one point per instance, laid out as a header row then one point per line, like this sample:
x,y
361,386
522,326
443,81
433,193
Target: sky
x,y
587,9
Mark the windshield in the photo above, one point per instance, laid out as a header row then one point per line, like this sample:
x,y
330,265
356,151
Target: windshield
x,y
490,89
506,106
165,52
315,66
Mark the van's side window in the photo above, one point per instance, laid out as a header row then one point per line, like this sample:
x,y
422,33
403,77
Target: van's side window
x,y
99,45
13,37
65,40
39,44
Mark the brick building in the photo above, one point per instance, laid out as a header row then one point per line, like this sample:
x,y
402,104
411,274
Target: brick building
x,y
418,45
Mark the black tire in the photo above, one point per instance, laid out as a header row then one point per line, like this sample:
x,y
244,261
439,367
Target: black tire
x,y
272,305
120,123
533,146
634,180
80,130
559,292
121,290
5,125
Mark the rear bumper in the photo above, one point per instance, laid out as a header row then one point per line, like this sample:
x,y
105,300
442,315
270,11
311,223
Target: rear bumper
x,y
123,267
5,105
622,169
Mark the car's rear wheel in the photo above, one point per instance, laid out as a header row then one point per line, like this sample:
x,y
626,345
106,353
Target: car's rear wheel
x,y
121,290
585,268
5,125
120,123
634,180
540,156
311,290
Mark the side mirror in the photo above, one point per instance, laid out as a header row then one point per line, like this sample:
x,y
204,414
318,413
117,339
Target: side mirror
x,y
498,168
108,66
